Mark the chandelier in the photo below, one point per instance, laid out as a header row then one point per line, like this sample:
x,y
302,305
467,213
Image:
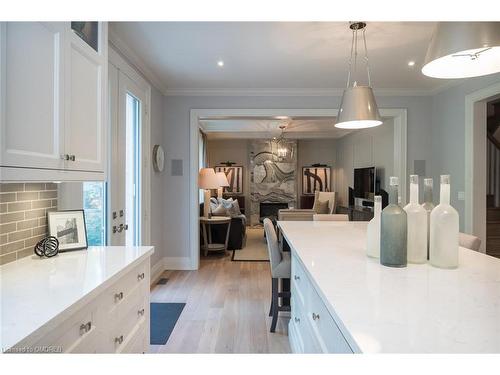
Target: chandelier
x,y
279,145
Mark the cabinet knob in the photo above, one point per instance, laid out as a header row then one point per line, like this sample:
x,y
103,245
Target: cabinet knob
x,y
72,157
297,320
140,312
65,157
295,277
118,296
315,316
119,340
140,276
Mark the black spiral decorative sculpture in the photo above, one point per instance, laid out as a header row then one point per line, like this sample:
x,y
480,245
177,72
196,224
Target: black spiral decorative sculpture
x,y
47,247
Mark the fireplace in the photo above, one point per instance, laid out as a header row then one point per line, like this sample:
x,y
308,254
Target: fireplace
x,y
270,210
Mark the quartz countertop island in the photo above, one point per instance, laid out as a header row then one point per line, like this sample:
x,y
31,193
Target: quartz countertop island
x,y
417,309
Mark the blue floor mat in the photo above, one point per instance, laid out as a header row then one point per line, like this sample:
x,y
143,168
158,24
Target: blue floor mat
x,y
163,319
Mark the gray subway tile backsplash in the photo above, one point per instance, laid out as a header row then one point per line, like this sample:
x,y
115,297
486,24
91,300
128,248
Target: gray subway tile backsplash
x,y
23,220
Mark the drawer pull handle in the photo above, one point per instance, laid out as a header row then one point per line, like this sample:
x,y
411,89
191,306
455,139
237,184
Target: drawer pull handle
x,y
118,296
140,276
84,328
297,320
315,316
295,277
119,340
140,312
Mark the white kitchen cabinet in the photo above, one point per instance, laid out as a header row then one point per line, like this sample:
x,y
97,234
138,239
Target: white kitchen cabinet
x,y
53,102
90,301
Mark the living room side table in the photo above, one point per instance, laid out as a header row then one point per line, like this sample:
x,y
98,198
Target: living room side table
x,y
207,237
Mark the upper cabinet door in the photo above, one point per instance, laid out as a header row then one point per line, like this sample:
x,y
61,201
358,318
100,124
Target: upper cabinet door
x,y
86,87
32,94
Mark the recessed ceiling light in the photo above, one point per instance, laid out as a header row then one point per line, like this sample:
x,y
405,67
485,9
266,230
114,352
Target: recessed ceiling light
x,y
411,63
220,63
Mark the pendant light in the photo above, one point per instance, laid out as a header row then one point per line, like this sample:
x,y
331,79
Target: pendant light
x,y
358,108
463,50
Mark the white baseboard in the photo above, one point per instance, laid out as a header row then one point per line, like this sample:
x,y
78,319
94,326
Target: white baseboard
x,y
177,263
170,263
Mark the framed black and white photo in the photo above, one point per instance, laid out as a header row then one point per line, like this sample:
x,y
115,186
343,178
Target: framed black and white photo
x,y
69,228
316,178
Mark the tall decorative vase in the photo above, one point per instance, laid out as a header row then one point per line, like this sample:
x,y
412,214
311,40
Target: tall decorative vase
x,y
393,230
428,206
444,230
417,225
373,233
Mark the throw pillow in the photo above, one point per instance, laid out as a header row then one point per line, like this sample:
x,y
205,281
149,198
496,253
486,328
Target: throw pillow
x,y
220,210
320,207
234,209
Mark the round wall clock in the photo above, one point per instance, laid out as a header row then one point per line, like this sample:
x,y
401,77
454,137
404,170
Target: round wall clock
x,y
158,158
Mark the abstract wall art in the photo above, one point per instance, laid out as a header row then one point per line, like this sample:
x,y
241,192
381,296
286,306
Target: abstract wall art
x,y
234,176
316,178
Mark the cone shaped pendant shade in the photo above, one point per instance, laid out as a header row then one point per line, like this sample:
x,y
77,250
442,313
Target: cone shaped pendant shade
x,y
463,49
358,109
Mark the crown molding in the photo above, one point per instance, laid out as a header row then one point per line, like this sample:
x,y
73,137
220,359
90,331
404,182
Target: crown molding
x,y
133,58
288,92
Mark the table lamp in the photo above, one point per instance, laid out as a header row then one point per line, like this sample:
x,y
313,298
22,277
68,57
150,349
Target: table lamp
x,y
207,180
223,182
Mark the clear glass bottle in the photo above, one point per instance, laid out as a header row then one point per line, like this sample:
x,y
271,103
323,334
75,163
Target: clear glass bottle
x,y
373,232
417,225
444,230
428,206
393,230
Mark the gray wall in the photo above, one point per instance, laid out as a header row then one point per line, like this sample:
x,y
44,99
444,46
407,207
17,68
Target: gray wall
x,y
364,148
158,192
448,136
176,141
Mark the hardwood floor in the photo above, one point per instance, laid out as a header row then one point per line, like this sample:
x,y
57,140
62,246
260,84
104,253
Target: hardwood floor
x,y
227,306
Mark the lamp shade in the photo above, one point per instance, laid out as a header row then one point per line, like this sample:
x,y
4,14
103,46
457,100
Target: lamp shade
x,y
358,109
463,49
222,178
207,179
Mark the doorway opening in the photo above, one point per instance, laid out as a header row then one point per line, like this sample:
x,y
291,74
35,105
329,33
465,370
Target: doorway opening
x,y
482,168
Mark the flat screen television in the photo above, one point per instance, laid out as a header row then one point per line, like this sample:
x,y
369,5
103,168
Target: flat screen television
x,y
364,182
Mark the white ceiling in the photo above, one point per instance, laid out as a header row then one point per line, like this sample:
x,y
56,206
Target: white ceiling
x,y
274,55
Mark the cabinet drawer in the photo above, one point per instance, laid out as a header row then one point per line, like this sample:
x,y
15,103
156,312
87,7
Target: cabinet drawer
x,y
324,328
299,282
116,295
73,334
306,342
124,329
137,342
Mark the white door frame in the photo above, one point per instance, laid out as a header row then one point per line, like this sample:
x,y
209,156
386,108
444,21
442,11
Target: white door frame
x,y
123,66
475,161
400,154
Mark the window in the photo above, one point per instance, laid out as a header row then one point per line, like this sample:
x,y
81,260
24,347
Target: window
x,y
94,205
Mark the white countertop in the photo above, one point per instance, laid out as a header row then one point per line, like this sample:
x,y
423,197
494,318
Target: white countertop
x,y
34,291
417,309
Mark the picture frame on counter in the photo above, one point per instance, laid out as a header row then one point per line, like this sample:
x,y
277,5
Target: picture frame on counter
x,y
70,229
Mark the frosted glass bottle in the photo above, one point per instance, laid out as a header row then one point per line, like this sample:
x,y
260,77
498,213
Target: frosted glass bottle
x,y
393,226
417,225
373,232
428,206
444,230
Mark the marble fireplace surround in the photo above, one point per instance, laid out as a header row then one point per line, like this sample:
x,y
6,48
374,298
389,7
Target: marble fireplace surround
x,y
273,179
